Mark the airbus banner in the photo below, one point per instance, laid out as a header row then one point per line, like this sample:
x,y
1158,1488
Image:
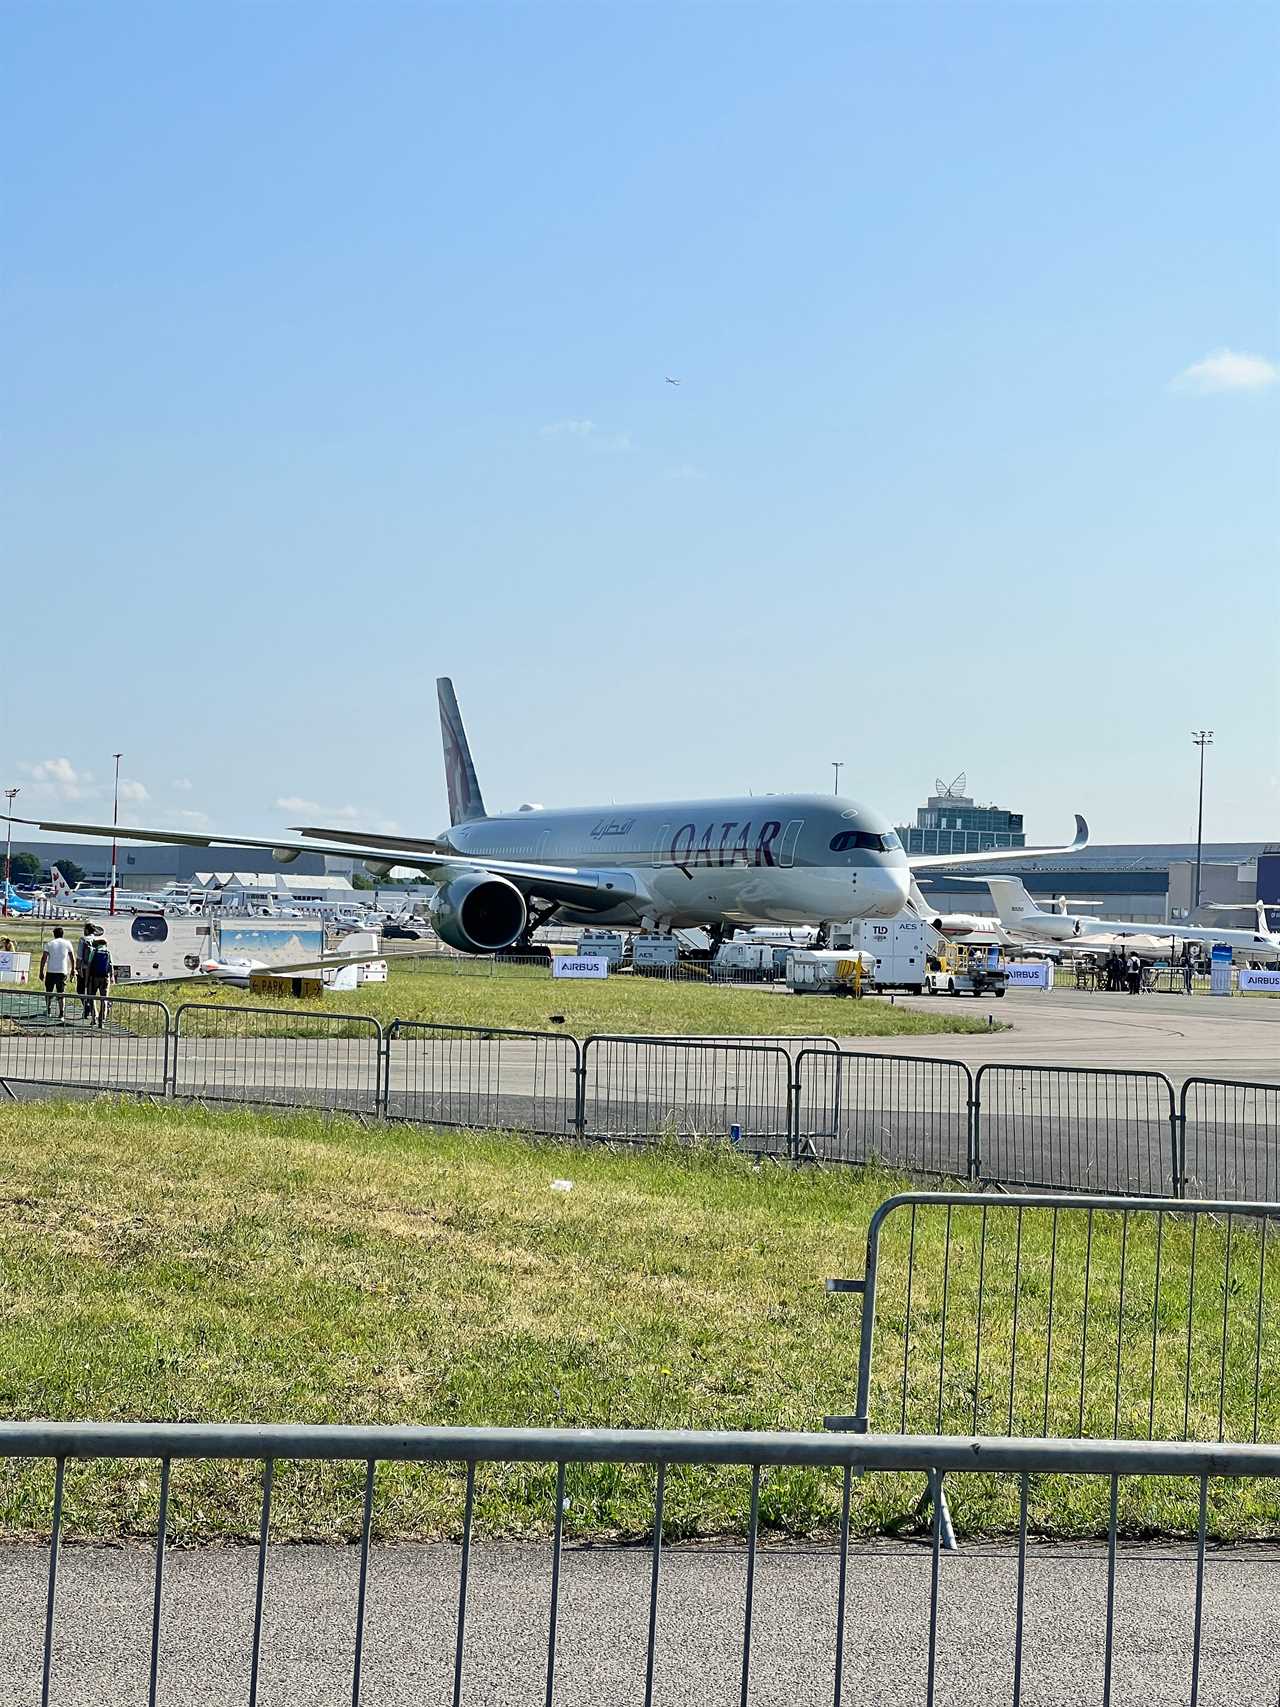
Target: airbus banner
x,y
1030,974
579,966
1253,979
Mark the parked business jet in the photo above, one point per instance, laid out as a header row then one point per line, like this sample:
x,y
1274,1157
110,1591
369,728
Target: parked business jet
x,y
1018,912
783,859
957,925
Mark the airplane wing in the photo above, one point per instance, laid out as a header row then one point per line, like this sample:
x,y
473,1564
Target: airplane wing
x,y
553,882
990,856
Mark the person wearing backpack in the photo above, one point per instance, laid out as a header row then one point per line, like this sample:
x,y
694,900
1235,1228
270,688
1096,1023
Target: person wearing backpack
x,y
84,948
98,972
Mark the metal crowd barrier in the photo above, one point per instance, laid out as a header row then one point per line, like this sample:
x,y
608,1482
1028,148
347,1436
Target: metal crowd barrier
x,y
1077,1128
1003,1627
291,1060
905,1111
1034,1127
483,1077
130,1053
1230,1138
644,1089
1081,1317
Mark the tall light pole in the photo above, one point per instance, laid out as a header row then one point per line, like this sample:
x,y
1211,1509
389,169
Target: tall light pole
x,y
115,819
1201,738
10,795
837,766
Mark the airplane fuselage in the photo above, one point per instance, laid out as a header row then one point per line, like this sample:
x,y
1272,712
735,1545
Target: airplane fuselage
x,y
783,859
1069,927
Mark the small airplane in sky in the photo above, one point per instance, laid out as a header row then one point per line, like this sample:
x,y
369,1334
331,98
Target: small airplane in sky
x,y
671,381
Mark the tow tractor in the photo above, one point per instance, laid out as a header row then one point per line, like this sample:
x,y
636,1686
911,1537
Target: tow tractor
x,y
966,971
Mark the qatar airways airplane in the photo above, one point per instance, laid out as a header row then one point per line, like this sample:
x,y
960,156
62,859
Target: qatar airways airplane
x,y
778,859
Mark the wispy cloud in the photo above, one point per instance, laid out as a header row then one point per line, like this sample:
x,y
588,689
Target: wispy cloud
x,y
1227,370
182,785
686,471
314,809
133,791
58,778
586,430
180,818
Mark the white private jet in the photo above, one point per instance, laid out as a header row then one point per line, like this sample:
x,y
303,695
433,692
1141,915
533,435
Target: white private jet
x,y
798,859
1019,912
958,926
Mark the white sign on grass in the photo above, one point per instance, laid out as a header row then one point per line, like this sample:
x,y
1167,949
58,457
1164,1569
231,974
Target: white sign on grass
x,y
1030,974
15,968
580,966
1251,979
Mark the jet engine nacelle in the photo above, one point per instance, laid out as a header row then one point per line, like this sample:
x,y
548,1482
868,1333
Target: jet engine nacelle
x,y
377,868
479,913
285,856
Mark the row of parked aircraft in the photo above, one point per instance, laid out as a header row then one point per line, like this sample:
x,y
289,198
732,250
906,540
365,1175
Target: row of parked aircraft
x,y
1020,920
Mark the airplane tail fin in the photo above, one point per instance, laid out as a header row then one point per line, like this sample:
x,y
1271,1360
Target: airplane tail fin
x,y
1012,903
465,799
60,884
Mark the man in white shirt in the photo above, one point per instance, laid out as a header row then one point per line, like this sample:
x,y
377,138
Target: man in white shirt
x,y
56,965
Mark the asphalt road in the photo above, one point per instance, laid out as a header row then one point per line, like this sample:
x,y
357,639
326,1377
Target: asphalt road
x,y
103,1630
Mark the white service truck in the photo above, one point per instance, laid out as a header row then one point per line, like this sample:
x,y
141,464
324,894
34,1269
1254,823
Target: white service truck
x,y
900,947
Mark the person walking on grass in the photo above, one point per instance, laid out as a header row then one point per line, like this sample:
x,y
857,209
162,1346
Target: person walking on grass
x,y
98,975
84,948
56,965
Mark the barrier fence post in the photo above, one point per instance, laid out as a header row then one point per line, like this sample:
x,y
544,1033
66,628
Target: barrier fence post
x,y
1177,1133
975,1124
580,1083
382,1103
793,1113
167,1080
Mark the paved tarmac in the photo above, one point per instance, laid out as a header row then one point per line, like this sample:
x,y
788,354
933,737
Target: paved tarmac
x,y
103,1631
1235,1037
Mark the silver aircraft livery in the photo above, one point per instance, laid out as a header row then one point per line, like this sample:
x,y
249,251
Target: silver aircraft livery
x,y
777,859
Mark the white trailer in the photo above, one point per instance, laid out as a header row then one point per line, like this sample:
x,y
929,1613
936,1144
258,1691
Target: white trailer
x,y
746,957
651,953
829,972
603,945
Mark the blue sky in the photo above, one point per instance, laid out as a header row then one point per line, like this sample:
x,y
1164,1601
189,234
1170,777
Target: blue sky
x,y
336,346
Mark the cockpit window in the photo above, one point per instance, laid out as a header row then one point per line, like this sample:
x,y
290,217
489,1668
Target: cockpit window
x,y
864,839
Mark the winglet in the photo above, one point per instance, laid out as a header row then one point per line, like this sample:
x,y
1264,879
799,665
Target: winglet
x,y
465,800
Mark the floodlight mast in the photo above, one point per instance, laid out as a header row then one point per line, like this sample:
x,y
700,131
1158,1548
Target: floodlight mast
x,y
10,795
1201,738
115,821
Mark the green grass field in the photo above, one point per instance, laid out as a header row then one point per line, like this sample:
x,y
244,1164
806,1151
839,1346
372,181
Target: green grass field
x,y
491,994
179,1265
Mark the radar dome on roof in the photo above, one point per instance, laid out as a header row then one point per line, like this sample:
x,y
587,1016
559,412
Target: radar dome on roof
x,y
530,806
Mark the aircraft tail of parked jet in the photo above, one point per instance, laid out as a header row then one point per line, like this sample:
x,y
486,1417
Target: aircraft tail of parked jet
x,y
465,800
